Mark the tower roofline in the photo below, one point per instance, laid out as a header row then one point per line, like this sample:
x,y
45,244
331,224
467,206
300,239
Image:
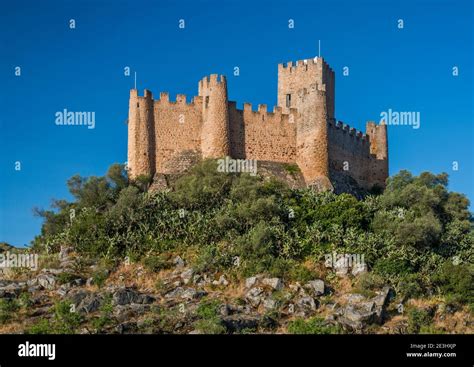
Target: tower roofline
x,y
314,60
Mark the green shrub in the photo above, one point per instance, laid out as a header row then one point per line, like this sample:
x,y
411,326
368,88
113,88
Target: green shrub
x,y
262,240
66,277
99,277
314,325
393,266
406,234
213,258
143,182
430,329
300,273
209,326
24,300
156,263
208,309
43,326
292,169
65,321
342,210
456,281
8,307
418,318
105,318
368,283
410,286
204,188
167,320
128,200
209,321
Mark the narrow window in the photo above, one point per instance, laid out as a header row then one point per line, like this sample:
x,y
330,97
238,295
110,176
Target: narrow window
x,y
207,101
288,100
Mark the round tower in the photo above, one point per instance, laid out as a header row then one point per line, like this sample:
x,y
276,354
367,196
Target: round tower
x,y
215,112
141,136
312,137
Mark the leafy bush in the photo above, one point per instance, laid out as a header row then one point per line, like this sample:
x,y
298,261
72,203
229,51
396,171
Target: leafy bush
x,y
42,327
156,263
205,187
292,169
209,321
7,309
64,321
368,283
66,277
405,234
300,273
418,318
167,320
314,325
430,329
105,318
209,326
99,277
456,281
24,300
410,286
393,266
208,309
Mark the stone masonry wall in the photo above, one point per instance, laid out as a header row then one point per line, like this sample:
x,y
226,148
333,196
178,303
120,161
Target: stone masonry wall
x,y
262,135
293,77
177,130
168,137
349,152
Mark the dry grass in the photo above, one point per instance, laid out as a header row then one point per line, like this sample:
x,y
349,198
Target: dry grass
x,y
134,275
15,327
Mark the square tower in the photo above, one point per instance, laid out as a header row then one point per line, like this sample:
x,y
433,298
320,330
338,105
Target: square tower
x,y
293,77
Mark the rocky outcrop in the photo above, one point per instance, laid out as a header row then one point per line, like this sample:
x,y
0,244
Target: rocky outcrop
x,y
361,312
258,304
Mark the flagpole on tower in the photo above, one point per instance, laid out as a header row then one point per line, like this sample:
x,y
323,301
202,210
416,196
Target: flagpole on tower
x,y
135,80
319,48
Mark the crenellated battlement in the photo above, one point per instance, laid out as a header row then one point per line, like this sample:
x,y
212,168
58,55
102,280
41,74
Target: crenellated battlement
x,y
213,80
301,128
347,129
180,100
311,68
304,64
276,115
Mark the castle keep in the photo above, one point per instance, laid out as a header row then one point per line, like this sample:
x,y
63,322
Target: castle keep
x,y
166,137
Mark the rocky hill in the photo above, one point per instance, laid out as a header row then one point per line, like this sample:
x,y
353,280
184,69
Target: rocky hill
x,y
234,253
72,295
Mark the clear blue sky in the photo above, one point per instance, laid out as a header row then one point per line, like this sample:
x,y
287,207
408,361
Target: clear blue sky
x,y
82,70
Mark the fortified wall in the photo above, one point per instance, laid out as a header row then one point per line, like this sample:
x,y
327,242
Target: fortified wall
x,y
167,137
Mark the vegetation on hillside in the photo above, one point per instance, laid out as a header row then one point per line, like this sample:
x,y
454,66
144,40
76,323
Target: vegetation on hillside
x,y
416,236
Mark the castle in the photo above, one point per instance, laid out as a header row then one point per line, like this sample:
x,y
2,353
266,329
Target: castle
x,y
166,137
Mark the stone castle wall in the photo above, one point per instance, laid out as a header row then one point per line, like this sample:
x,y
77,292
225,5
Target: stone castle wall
x,y
167,137
262,135
349,152
177,129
